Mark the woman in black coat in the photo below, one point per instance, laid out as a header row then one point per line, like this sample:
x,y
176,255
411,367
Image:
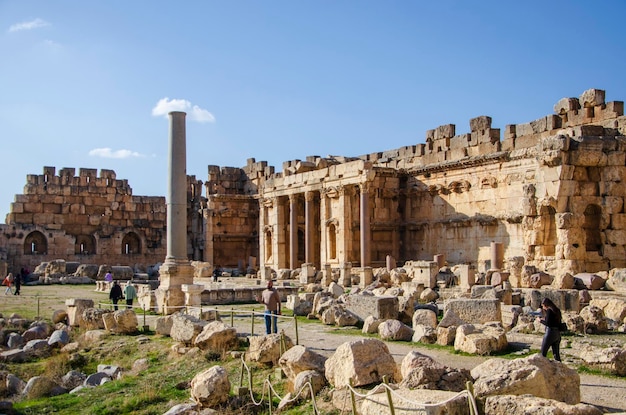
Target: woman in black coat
x,y
552,320
115,294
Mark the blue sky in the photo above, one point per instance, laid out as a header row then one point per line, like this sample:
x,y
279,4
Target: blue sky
x,y
84,83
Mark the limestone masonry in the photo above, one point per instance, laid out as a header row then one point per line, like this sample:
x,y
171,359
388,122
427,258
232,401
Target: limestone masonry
x,y
548,193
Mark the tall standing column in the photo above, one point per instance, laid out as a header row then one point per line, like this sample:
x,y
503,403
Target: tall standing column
x,y
177,189
176,271
308,225
365,226
293,231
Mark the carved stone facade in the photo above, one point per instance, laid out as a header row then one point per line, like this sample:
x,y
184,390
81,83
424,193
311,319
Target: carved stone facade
x,y
550,192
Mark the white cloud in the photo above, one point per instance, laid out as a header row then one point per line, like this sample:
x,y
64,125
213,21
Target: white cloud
x,y
33,24
108,153
194,112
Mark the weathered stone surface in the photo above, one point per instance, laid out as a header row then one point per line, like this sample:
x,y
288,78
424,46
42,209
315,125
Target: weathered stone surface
x,y
429,295
299,359
35,332
266,349
37,348
394,330
365,361
617,280
451,318
370,325
480,339
475,310
591,281
612,359
445,335
185,328
94,336
97,379
377,404
381,308
216,336
424,317
75,308
92,318
563,282
540,279
613,308
533,375
38,387
210,388
424,334
121,321
339,316
314,377
72,379
164,325
59,338
59,316
594,320
531,405
422,372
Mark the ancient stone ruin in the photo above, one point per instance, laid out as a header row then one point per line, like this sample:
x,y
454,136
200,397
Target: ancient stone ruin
x,y
548,193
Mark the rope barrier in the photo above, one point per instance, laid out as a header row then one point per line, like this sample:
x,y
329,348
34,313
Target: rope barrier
x,y
271,390
470,397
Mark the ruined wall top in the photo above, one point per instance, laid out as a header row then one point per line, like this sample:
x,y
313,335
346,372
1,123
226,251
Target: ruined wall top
x,y
87,178
587,115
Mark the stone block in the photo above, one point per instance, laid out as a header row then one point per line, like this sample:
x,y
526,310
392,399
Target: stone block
x,y
379,307
475,310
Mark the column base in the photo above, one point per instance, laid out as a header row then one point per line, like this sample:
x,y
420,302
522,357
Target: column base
x,y
173,274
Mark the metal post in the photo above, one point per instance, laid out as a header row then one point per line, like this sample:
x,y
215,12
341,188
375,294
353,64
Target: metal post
x,y
241,376
269,394
295,322
252,331
392,411
470,392
232,317
352,398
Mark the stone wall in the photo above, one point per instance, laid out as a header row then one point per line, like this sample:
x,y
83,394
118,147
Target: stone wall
x,y
86,218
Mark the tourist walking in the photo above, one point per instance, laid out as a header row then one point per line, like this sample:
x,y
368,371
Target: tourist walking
x,y
217,272
8,280
18,283
108,277
552,320
130,294
115,294
271,299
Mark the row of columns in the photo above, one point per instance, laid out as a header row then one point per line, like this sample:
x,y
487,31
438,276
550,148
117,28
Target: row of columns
x,y
310,227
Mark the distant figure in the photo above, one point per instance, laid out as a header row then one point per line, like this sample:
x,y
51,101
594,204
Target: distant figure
x,y
8,280
18,283
271,299
217,272
108,277
115,294
552,320
130,294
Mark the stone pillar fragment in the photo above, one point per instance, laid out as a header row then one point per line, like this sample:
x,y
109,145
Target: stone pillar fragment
x,y
367,276
497,255
345,277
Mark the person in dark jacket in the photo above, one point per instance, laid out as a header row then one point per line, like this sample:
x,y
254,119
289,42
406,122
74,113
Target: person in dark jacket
x,y
552,320
115,294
